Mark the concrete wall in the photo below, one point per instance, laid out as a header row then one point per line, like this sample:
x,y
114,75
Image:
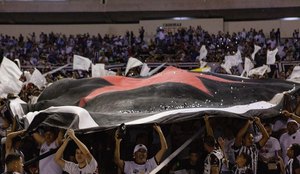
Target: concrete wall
x,y
138,5
211,25
286,27
92,29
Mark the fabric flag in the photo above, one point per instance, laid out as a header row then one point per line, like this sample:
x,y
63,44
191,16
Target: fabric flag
x,y
145,70
10,75
295,74
247,66
98,70
173,95
81,63
256,49
132,63
260,70
271,56
203,52
110,73
27,74
230,61
38,79
202,64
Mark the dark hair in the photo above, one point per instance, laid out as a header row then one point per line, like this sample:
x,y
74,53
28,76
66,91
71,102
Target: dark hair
x,y
11,158
16,139
209,140
296,148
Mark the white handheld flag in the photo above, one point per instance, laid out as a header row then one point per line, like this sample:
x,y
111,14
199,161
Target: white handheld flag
x,y
145,70
132,63
203,52
259,70
10,75
295,74
256,49
230,61
271,56
81,63
38,79
98,70
247,66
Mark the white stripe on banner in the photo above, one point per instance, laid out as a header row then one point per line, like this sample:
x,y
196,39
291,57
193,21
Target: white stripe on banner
x,y
85,119
239,109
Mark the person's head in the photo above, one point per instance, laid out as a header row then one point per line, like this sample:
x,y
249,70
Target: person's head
x,y
49,135
209,143
248,139
140,154
16,142
193,156
268,128
242,160
293,151
14,163
79,156
292,126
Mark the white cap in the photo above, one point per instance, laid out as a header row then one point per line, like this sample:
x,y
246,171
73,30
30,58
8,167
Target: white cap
x,y
292,121
138,147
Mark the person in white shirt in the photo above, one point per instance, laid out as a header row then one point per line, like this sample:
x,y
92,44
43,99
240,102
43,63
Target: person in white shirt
x,y
140,164
291,136
48,141
270,160
86,162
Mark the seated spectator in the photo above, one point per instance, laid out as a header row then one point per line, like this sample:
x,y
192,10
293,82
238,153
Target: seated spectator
x,y
86,161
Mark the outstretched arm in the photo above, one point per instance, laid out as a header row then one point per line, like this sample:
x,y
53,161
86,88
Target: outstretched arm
x,y
163,143
291,115
80,145
208,127
59,154
117,156
9,138
241,133
265,135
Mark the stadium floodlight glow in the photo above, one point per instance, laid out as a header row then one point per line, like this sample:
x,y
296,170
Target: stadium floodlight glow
x,y
181,18
291,19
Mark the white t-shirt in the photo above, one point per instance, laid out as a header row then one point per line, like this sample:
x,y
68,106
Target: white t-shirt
x,y
270,148
131,167
48,165
286,140
73,168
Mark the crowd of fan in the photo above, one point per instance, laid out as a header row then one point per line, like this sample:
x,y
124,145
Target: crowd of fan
x,y
254,147
182,45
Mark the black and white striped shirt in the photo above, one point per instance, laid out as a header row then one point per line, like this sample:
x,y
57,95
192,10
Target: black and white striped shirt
x,y
292,165
214,158
252,151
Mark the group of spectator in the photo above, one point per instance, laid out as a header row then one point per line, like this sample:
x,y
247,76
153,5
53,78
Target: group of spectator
x,y
182,45
254,147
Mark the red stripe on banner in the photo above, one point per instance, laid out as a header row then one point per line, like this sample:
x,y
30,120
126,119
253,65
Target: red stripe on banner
x,y
170,74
